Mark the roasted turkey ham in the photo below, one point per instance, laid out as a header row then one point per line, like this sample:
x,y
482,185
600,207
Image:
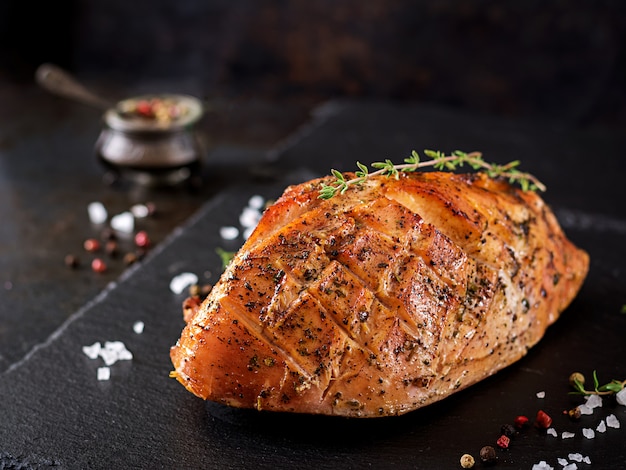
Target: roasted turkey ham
x,y
380,300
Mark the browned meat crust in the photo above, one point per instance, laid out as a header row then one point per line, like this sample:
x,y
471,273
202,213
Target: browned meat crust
x,y
382,300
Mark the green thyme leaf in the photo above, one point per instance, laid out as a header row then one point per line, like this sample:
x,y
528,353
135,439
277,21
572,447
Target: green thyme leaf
x,y
439,161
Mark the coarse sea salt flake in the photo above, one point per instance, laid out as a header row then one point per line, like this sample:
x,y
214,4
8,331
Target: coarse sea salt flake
x,y
567,435
104,373
114,351
92,351
571,466
587,460
612,421
247,232
552,432
563,462
585,410
229,232
256,202
576,457
124,222
541,394
138,327
542,465
181,281
594,401
589,433
621,397
140,211
97,212
249,217
601,427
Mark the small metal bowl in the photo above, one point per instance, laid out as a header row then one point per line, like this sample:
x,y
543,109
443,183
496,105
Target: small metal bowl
x,y
151,139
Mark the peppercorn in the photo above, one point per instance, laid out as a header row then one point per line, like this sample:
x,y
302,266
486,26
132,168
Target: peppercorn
x,y
108,233
574,413
543,420
130,258
98,265
508,430
71,261
503,442
91,245
576,377
467,461
141,239
111,248
488,455
520,421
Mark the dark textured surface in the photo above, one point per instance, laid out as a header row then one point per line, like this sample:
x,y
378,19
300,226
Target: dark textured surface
x,y
55,414
563,58
48,176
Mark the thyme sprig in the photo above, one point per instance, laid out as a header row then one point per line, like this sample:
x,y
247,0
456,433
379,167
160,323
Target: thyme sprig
x,y
439,161
577,381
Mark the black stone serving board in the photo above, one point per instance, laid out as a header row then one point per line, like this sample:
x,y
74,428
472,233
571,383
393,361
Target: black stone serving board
x,y
54,413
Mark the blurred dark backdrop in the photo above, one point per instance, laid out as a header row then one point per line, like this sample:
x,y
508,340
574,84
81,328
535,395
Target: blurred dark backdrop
x,y
563,59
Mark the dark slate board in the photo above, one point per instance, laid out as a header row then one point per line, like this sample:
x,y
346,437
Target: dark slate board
x,y
54,413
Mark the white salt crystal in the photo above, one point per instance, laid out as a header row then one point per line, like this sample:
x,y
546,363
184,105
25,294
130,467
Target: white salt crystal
x,y
576,457
138,327
140,211
585,410
541,394
542,465
181,281
587,460
118,348
229,232
256,202
589,433
567,435
612,421
562,462
249,217
247,232
124,222
104,373
621,397
552,432
593,401
92,351
571,466
97,213
601,427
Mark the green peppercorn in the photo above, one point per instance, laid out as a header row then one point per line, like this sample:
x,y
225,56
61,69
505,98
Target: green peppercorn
x,y
575,378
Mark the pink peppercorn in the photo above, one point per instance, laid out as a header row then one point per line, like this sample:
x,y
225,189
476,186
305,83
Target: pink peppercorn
x,y
99,266
142,239
91,245
520,421
503,442
543,420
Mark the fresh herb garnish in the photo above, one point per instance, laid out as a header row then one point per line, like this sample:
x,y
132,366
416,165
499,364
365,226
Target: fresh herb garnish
x,y
439,161
577,380
225,256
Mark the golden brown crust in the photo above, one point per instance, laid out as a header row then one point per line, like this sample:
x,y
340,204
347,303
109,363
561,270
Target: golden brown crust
x,y
382,300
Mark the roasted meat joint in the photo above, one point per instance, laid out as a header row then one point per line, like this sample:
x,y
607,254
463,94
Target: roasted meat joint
x,y
387,297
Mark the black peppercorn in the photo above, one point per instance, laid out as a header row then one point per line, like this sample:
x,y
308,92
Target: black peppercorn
x,y
71,261
488,455
508,430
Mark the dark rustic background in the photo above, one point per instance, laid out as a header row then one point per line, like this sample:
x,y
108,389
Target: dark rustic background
x,y
563,59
